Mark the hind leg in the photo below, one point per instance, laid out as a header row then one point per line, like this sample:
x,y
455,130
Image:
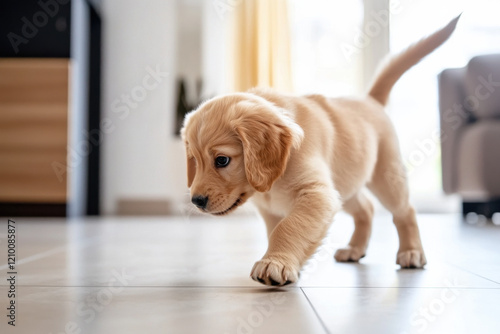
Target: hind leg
x,y
361,209
390,185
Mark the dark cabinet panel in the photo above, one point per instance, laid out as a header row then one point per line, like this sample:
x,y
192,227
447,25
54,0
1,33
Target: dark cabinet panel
x,y
30,28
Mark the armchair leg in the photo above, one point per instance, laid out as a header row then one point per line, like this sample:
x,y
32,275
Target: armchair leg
x,y
486,208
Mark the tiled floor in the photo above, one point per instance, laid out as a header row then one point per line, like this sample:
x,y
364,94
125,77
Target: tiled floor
x,y
190,275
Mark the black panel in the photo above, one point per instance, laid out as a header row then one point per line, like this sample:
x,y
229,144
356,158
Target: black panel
x,y
32,210
35,28
94,114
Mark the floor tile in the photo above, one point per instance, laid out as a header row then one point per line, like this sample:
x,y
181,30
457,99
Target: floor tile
x,y
406,310
123,309
366,274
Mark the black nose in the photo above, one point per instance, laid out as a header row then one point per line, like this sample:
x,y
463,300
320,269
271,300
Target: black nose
x,y
200,201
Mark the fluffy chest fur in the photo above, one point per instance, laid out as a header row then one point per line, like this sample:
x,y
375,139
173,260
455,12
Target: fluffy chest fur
x,y
276,202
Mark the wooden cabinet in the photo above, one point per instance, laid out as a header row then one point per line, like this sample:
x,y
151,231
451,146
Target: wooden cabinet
x,y
33,129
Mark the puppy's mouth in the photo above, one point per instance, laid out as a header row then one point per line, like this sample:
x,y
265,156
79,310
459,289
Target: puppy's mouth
x,y
232,207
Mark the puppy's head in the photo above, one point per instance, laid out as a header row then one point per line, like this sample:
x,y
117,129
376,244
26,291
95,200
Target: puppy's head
x,y
235,145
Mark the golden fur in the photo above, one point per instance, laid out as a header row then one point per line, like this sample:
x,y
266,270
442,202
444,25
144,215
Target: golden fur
x,y
302,159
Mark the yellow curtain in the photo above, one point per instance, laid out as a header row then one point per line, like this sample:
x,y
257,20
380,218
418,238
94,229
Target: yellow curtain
x,y
261,45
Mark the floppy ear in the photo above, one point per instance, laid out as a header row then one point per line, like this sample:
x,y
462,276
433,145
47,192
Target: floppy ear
x,y
191,162
191,170
267,136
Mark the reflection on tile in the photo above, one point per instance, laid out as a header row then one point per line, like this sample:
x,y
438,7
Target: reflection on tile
x,y
446,246
403,310
119,309
330,274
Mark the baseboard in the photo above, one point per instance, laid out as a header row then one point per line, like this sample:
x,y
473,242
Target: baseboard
x,y
144,207
32,209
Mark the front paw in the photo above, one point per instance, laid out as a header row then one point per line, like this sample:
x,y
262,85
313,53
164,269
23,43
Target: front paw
x,y
411,259
275,272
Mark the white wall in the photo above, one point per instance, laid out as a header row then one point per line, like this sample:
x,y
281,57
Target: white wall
x,y
215,60
141,158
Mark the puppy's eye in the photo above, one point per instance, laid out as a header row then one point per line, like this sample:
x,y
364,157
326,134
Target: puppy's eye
x,y
221,161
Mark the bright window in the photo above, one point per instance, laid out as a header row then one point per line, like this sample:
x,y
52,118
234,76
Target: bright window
x,y
318,63
414,100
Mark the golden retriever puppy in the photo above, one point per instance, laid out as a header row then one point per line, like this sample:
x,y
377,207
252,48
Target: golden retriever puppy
x,y
302,159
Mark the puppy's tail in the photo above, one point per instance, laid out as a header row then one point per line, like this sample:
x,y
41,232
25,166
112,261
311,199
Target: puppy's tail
x,y
397,65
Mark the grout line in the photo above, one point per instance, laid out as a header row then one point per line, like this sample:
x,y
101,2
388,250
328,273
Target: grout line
x,y
473,273
315,312
50,252
250,287
267,289
398,287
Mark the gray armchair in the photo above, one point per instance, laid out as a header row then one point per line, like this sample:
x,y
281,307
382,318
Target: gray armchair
x,y
469,104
